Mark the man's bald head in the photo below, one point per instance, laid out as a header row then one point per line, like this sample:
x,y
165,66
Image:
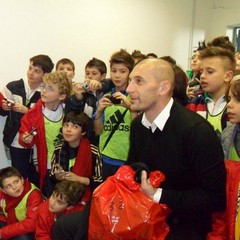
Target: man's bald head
x,y
161,69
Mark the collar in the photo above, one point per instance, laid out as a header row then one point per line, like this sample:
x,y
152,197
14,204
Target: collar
x,y
160,120
208,98
53,115
29,92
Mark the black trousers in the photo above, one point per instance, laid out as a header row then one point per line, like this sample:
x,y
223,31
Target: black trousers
x,y
73,226
22,160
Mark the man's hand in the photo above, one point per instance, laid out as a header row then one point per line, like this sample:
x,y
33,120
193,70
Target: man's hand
x,y
146,187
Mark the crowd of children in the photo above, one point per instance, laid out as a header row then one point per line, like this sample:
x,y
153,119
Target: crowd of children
x,y
62,135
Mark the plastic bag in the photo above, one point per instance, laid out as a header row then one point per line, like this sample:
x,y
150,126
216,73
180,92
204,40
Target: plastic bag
x,y
120,210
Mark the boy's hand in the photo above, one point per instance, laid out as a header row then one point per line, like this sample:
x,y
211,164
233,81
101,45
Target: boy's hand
x,y
78,90
59,172
18,107
70,176
6,106
27,138
124,100
191,91
103,103
94,85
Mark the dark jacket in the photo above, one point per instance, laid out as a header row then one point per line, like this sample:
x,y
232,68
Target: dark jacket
x,y
13,118
190,155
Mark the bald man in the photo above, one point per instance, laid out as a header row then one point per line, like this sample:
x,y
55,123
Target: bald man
x,y
181,144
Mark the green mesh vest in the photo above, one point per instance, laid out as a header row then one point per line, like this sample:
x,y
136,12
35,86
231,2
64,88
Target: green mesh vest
x,y
21,208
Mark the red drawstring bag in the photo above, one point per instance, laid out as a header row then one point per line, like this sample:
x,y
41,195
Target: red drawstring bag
x,y
120,210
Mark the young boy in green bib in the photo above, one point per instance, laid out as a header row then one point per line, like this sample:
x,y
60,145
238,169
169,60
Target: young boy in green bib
x,y
19,201
113,116
42,124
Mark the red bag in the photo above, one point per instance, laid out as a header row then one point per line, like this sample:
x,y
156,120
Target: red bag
x,y
120,210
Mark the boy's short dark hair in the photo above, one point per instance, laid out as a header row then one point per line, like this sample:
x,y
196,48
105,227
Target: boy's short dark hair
x,y
223,53
123,57
223,42
65,61
137,54
60,79
153,55
170,60
80,119
7,173
43,61
97,63
69,190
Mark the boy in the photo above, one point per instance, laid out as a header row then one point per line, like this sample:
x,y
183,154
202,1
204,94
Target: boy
x,y
95,69
23,94
65,199
231,147
67,66
41,125
73,160
113,117
87,93
19,201
217,69
231,135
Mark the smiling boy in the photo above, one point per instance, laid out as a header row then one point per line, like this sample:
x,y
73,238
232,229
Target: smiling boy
x,y
19,203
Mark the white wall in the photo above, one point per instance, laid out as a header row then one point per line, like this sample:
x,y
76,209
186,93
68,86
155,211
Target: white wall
x,y
225,13
80,30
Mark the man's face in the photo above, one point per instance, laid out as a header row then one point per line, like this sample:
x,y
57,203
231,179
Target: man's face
x,y
13,186
143,88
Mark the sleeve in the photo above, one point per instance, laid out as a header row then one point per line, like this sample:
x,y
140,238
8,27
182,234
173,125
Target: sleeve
x,y
1,98
44,223
25,127
2,216
107,85
27,225
203,151
6,93
73,104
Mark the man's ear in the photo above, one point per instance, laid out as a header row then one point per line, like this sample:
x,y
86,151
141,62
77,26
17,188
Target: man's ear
x,y
164,87
228,76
